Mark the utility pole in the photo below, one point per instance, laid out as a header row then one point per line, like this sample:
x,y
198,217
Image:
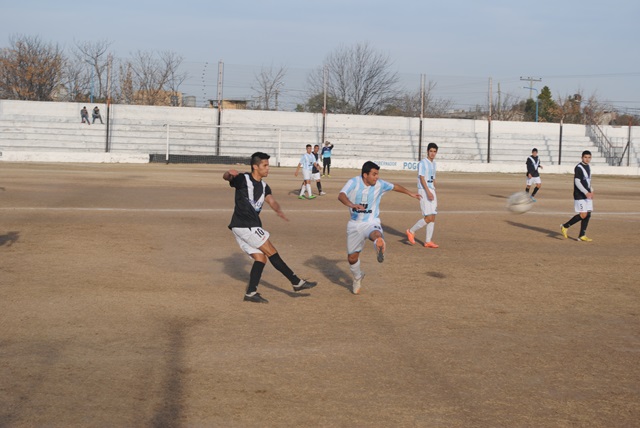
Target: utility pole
x,y
531,80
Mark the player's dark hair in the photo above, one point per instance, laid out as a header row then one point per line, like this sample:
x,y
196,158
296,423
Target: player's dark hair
x,y
586,152
258,157
534,150
367,167
308,145
316,146
432,146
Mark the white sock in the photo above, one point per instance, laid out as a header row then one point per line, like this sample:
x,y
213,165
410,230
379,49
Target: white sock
x,y
430,227
302,189
419,225
355,270
308,186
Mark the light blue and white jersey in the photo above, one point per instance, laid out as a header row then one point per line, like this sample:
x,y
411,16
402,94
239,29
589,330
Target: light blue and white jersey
x,y
367,196
307,160
427,169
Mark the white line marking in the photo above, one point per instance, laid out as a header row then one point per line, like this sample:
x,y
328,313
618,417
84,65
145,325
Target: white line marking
x,y
345,211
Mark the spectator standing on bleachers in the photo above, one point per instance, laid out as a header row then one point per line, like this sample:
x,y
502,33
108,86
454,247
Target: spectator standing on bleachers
x,y
96,115
84,115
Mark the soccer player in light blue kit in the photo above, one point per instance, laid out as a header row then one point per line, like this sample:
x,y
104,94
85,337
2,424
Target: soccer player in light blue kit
x,y
362,195
429,200
307,162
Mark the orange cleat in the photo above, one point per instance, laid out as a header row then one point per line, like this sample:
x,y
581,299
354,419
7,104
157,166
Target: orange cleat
x,y
411,237
431,244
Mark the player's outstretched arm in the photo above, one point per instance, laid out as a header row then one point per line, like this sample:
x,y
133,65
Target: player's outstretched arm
x,y
402,189
275,206
229,175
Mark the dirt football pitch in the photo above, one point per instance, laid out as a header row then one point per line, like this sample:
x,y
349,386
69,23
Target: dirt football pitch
x,y
121,305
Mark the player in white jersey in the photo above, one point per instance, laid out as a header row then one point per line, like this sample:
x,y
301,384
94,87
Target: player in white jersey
x,y
315,172
362,195
307,162
429,200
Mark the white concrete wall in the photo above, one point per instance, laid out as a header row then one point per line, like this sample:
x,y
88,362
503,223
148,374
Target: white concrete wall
x,y
48,131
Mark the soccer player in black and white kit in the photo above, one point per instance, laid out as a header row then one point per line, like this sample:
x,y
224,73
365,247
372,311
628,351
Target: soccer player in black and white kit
x,y
251,193
533,176
583,198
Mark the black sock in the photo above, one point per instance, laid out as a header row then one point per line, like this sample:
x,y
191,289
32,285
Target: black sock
x,y
254,276
282,267
319,186
584,224
576,218
526,190
535,191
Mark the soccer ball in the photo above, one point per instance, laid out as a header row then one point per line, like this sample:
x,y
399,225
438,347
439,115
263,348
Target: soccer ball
x,y
519,203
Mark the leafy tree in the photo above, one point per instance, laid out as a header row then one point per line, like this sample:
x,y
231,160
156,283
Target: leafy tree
x,y
530,110
315,104
30,69
626,120
548,109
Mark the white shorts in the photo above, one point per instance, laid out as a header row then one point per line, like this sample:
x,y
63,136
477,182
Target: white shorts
x,y
250,239
533,180
306,174
428,207
315,176
583,205
358,232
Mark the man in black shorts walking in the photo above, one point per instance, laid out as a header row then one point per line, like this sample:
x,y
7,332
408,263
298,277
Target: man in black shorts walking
x,y
251,193
582,198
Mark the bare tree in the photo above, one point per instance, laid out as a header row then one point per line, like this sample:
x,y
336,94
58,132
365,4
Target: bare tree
x,y
171,63
268,85
94,54
594,110
359,79
75,81
124,92
508,108
30,69
410,104
149,80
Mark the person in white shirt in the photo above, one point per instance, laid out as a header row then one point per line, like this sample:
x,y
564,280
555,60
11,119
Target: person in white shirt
x,y
307,162
362,195
429,200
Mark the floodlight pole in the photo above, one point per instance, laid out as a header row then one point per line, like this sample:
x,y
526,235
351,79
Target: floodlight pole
x,y
533,89
220,103
421,116
324,104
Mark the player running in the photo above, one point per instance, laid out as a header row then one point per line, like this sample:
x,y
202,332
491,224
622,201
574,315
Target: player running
x,y
362,195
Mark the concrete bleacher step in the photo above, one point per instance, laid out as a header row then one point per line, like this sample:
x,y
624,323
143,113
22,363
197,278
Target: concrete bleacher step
x,y
57,127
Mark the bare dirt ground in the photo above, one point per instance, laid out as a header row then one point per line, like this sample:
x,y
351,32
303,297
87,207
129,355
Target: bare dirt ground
x,y
121,305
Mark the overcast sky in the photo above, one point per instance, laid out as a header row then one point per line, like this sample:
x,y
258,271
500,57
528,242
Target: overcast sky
x,y
572,45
